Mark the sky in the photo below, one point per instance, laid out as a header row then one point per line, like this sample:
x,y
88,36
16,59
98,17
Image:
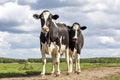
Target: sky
x,y
19,31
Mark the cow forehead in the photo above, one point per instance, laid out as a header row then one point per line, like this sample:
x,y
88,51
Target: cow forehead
x,y
75,27
46,15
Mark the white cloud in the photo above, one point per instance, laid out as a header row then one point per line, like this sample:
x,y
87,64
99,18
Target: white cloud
x,y
3,1
105,39
3,43
12,12
88,53
116,5
108,40
31,1
117,32
91,7
19,45
17,41
20,53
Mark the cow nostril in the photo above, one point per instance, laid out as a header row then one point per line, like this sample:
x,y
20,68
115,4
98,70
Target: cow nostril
x,y
45,29
74,39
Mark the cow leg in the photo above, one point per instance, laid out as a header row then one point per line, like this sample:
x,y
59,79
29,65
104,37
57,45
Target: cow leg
x,y
58,64
77,63
71,63
53,65
67,60
43,63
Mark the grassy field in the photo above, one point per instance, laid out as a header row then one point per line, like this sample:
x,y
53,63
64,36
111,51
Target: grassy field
x,y
15,69
114,78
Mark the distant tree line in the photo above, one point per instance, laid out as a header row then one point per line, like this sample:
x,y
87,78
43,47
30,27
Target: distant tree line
x,y
11,60
83,60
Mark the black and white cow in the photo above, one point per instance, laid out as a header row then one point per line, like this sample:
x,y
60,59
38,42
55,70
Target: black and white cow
x,y
54,40
76,42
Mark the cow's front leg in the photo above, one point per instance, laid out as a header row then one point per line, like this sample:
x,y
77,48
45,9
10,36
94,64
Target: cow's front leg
x,y
43,64
77,63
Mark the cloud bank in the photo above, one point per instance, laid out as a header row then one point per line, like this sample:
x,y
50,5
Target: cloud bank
x,y
19,32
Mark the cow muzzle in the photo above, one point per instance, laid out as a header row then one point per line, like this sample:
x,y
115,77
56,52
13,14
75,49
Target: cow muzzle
x,y
45,29
74,39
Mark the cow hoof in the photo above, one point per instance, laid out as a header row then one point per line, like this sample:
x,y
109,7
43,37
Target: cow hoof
x,y
42,75
52,73
68,73
78,72
57,75
75,71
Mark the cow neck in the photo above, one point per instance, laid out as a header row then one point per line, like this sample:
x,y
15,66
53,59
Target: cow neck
x,y
52,35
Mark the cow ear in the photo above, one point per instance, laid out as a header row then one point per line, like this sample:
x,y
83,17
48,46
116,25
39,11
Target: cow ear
x,y
83,28
55,17
69,28
36,16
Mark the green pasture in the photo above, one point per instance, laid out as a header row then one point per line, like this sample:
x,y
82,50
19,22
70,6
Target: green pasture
x,y
15,69
114,78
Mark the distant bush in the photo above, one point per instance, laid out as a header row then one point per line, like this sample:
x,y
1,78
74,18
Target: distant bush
x,y
11,60
83,60
101,60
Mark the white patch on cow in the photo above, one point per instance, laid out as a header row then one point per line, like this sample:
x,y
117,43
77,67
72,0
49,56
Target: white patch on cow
x,y
71,63
51,47
46,15
44,52
58,63
45,27
67,59
72,55
44,63
54,23
53,65
62,47
77,63
75,28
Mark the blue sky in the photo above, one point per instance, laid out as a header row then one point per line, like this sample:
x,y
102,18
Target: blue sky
x,y
19,31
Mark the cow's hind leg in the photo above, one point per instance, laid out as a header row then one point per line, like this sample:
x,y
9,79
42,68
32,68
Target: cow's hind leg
x,y
58,64
53,65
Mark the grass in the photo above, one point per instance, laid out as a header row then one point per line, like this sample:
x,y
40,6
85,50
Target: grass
x,y
114,78
15,69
